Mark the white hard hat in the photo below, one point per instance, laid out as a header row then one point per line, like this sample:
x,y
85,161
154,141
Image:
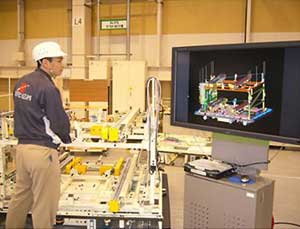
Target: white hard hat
x,y
47,49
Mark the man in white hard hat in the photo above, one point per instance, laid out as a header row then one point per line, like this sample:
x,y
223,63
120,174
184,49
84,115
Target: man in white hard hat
x,y
40,124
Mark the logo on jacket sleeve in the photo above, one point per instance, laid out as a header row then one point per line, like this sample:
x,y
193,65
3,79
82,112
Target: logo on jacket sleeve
x,y
21,92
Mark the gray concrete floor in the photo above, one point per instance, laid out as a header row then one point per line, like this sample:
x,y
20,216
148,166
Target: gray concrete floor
x,y
284,169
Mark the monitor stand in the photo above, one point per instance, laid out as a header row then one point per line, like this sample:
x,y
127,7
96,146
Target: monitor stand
x,y
241,151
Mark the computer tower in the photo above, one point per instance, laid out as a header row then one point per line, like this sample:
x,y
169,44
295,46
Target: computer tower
x,y
211,203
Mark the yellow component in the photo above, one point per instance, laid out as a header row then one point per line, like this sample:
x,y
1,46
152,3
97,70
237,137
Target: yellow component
x,y
77,160
104,132
10,131
69,167
96,130
113,135
118,167
81,169
104,168
114,206
72,164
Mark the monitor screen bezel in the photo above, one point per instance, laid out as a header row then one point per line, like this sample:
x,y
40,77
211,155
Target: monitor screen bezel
x,y
174,122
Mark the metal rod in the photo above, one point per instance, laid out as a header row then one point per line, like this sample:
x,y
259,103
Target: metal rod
x,y
69,41
122,179
247,21
159,30
98,29
256,73
108,54
128,31
21,37
264,67
9,92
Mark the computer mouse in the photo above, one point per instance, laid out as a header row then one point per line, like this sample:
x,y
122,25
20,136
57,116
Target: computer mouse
x,y
245,178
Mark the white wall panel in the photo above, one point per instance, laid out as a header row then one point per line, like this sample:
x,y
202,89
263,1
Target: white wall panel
x,y
129,78
99,69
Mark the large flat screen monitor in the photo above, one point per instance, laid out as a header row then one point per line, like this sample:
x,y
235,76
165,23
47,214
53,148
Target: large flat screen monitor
x,y
250,90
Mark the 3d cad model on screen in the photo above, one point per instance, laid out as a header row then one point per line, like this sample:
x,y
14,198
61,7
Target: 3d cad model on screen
x,y
238,98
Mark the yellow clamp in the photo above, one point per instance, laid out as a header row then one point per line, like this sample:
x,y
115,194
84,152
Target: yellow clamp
x,y
118,167
114,206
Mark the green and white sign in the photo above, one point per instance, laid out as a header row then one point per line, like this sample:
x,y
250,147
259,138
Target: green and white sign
x,y
113,24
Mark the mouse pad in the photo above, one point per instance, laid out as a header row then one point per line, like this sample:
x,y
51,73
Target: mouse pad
x,y
237,180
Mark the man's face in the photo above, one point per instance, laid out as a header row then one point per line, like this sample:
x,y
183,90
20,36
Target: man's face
x,y
54,67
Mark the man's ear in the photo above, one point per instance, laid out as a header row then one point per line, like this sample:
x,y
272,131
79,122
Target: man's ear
x,y
45,62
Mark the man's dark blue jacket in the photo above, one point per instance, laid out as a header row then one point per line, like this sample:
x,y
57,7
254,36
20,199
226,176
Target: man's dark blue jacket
x,y
39,116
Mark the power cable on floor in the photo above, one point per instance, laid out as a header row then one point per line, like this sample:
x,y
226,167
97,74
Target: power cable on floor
x,y
278,151
287,223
